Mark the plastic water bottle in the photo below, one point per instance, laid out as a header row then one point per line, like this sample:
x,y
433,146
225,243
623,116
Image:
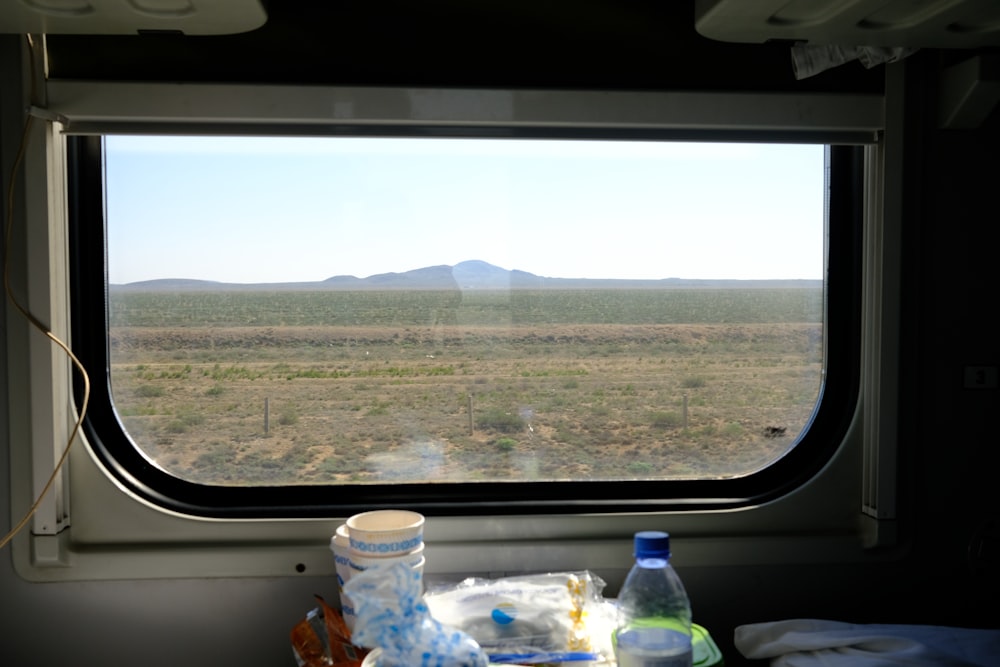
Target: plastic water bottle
x,y
654,614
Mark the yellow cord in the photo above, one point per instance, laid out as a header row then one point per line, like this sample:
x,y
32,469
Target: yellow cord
x,y
42,328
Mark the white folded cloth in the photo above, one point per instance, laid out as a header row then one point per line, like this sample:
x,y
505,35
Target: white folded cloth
x,y
821,643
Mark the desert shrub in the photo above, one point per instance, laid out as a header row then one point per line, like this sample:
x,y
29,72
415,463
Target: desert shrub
x,y
663,419
183,421
506,444
498,420
640,468
215,455
176,427
288,417
733,429
378,410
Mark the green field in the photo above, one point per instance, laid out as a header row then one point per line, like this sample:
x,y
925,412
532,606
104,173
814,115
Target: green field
x,y
314,387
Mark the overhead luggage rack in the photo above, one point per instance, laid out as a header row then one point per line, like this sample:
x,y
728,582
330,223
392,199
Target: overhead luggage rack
x,y
962,24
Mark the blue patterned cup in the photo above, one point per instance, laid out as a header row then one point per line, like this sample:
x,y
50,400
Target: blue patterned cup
x,y
385,533
340,545
360,563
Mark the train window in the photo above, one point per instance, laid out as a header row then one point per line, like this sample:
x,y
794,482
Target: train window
x,y
300,322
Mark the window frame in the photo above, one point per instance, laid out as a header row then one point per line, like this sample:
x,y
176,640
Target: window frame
x,y
100,530
453,114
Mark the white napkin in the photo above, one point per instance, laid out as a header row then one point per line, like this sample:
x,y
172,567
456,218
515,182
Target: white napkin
x,y
820,643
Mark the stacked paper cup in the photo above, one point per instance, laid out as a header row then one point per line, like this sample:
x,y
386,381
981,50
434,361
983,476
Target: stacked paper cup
x,y
340,544
384,537
376,539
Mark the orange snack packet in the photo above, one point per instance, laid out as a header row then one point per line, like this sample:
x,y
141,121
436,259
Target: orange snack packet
x,y
322,639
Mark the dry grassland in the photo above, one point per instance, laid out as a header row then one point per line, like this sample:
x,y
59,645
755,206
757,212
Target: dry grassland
x,y
316,404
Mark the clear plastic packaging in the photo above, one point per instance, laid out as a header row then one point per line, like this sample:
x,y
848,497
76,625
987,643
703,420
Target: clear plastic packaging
x,y
530,615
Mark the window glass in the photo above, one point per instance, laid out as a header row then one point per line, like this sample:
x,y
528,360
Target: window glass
x,y
311,311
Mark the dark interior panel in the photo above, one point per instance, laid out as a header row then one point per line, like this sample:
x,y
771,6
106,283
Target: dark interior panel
x,y
596,44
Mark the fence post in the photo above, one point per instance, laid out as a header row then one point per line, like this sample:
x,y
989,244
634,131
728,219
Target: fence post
x,y
472,423
685,411
267,415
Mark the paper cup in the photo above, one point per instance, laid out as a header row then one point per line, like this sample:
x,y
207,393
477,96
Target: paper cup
x,y
361,562
385,533
340,545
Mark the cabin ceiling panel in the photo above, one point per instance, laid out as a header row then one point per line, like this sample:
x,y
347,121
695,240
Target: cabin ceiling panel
x,y
590,44
131,17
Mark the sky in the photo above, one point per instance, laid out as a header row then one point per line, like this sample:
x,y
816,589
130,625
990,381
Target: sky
x,y
251,210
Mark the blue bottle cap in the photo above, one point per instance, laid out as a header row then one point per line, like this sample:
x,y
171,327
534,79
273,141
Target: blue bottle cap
x,y
652,544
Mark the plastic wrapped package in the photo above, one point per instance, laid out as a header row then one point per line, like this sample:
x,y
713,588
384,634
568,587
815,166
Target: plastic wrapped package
x,y
529,615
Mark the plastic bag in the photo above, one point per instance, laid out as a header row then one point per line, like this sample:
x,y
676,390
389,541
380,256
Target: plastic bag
x,y
530,614
391,615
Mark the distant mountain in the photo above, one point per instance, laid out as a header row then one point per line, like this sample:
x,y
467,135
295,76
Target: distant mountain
x,y
430,277
477,274
468,275
172,284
